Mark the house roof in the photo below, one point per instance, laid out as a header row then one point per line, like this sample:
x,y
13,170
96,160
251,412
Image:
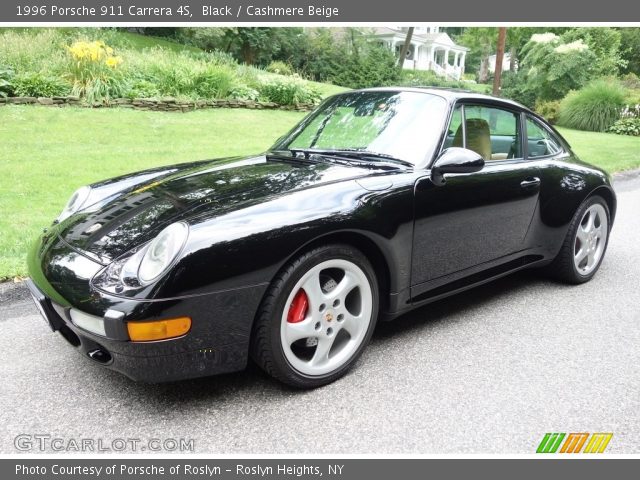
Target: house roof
x,y
440,38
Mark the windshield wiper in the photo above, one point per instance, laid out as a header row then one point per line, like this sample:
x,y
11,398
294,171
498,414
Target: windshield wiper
x,y
358,154
375,156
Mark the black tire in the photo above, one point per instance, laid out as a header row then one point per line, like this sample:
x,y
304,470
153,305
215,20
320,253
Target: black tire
x,y
266,344
563,267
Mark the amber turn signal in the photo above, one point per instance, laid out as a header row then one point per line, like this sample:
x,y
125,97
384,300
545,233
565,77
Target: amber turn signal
x,y
158,330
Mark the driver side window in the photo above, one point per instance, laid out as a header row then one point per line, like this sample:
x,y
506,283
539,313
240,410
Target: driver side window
x,y
491,132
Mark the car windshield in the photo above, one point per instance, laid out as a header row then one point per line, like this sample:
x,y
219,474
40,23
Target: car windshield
x,y
399,125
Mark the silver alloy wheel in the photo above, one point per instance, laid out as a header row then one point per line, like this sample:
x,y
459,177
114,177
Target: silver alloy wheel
x,y
336,320
591,239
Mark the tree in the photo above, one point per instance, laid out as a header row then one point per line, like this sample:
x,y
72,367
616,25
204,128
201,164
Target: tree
x,y
502,37
604,42
250,45
630,49
551,68
405,48
482,42
517,37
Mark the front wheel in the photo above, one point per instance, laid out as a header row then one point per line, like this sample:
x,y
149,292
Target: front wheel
x,y
317,317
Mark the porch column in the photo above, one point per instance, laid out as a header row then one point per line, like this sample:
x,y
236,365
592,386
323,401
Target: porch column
x,y
462,57
445,60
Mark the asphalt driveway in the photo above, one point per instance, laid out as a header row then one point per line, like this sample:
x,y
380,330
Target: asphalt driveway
x,y
488,371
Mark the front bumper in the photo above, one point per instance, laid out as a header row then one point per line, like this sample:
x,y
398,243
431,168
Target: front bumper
x,y
218,341
197,354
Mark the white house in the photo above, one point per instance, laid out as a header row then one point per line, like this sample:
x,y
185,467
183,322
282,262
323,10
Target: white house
x,y
506,62
430,49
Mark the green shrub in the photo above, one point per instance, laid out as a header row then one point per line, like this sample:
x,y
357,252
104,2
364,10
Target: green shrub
x,y
143,89
244,92
83,62
181,74
594,108
626,126
373,67
36,84
426,78
213,82
6,82
288,91
280,68
550,110
95,71
33,50
515,87
631,81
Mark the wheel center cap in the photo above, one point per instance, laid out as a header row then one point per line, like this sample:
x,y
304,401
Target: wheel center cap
x,y
328,317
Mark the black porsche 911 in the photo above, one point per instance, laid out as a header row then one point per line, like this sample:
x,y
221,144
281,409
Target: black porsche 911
x,y
378,202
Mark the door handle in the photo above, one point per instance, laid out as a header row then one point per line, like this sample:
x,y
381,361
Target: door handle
x,y
530,182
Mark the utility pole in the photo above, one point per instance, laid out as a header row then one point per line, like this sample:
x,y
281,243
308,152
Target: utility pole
x,y
502,36
405,48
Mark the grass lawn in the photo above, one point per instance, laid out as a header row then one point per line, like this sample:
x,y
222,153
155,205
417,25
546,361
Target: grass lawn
x,y
46,153
612,152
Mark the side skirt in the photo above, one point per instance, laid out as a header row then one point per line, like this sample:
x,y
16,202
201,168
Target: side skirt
x,y
467,283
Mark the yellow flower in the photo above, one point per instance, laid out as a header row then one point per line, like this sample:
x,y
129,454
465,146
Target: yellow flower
x,y
113,62
93,51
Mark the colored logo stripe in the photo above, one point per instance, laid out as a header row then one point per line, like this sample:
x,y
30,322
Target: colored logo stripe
x,y
574,442
550,443
598,442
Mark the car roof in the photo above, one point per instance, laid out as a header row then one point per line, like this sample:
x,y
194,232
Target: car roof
x,y
450,94
454,94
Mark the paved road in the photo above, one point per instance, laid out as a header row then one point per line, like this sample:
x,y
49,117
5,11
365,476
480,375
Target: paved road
x,y
487,371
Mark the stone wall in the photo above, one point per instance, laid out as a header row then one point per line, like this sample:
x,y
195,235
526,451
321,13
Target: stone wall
x,y
160,105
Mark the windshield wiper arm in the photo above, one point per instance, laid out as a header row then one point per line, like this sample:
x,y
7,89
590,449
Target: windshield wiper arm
x,y
356,153
376,156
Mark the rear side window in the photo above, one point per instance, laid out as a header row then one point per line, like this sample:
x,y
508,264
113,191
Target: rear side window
x,y
540,142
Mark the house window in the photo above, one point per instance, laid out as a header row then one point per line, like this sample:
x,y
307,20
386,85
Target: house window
x,y
410,51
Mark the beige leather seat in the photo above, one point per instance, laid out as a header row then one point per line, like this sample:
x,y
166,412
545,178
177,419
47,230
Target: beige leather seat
x,y
478,137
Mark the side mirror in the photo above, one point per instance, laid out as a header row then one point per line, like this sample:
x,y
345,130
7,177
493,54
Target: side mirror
x,y
455,160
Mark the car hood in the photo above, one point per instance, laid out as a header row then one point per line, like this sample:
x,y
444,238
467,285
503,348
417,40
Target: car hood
x,y
109,228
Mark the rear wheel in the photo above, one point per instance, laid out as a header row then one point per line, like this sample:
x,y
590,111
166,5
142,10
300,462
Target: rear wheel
x,y
317,317
586,242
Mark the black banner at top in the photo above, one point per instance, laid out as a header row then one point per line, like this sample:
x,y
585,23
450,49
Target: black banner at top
x,y
316,11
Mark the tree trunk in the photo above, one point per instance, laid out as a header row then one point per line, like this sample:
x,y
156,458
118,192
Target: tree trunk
x,y
483,73
502,35
405,48
513,59
247,54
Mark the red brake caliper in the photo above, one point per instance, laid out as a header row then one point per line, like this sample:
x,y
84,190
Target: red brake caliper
x,y
298,308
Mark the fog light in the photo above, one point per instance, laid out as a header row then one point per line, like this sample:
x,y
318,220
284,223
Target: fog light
x,y
87,322
159,330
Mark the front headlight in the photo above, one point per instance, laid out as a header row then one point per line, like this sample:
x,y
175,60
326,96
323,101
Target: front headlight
x,y
74,204
162,252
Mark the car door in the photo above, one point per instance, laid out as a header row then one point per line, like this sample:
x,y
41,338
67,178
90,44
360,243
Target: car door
x,y
477,220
